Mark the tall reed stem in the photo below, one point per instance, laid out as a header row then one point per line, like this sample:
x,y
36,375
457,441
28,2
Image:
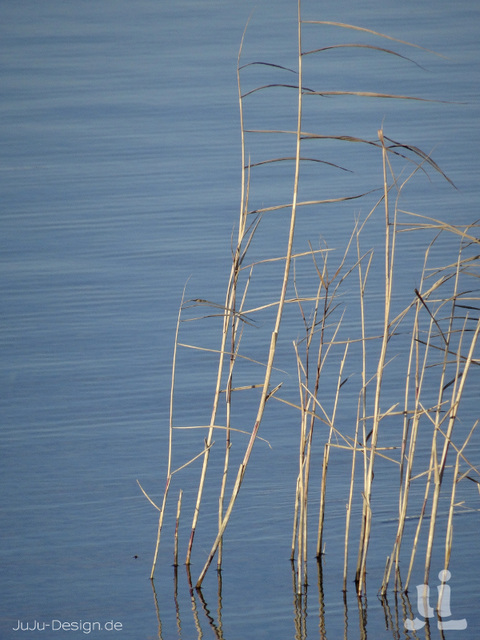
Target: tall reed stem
x,y
389,255
274,337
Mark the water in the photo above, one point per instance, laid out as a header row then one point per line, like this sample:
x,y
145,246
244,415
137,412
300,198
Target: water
x,y
120,171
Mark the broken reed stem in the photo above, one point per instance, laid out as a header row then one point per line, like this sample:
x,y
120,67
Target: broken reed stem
x,y
170,436
302,374
348,506
326,453
305,485
323,495
160,525
455,480
295,519
177,522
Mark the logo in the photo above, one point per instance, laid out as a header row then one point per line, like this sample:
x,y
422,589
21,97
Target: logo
x,y
443,606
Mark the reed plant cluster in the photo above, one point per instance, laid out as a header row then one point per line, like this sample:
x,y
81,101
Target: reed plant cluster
x,y
415,352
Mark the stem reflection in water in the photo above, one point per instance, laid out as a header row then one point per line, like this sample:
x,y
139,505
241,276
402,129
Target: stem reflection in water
x,y
309,612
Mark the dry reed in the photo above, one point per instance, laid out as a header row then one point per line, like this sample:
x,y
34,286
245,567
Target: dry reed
x,y
437,342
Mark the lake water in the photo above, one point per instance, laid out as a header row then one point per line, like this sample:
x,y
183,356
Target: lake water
x,y
120,176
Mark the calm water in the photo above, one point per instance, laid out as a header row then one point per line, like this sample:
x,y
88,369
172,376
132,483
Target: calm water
x,y
120,179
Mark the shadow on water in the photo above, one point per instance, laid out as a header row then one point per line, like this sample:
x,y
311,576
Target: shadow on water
x,y
399,616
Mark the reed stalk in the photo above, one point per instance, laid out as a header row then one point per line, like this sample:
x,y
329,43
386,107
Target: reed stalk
x,y
301,506
389,261
265,391
170,441
416,369
362,401
436,346
439,466
455,480
177,523
229,318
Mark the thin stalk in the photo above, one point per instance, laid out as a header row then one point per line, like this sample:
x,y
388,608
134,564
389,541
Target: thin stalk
x,y
295,519
389,259
439,470
228,392
301,509
434,469
177,522
326,454
410,428
362,405
170,437
229,312
455,480
433,464
274,337
301,505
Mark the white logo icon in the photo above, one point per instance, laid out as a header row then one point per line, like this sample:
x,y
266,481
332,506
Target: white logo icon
x,y
443,606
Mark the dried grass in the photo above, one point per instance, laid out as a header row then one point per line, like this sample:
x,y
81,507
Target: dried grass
x,y
440,321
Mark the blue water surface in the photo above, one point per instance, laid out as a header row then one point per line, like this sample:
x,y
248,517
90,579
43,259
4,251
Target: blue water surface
x,y
120,174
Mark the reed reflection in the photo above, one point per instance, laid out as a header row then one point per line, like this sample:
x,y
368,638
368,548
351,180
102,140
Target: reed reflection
x,y
201,613
309,620
395,615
